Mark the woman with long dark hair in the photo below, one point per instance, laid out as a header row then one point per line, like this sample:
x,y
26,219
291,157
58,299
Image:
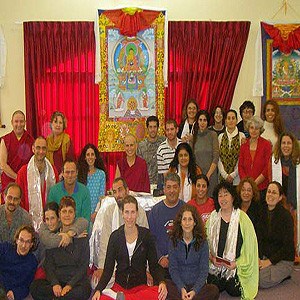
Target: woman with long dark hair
x,y
206,149
188,258
92,173
184,165
273,123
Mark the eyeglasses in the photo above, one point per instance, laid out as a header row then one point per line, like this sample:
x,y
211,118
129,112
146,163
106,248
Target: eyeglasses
x,y
26,242
12,198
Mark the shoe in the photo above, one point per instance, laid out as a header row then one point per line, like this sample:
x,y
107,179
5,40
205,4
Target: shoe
x,y
286,278
120,296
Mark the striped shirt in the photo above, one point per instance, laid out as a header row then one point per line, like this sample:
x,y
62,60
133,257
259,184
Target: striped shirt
x,y
165,154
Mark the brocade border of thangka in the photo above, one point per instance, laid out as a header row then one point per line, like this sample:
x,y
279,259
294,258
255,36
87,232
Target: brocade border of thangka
x,y
113,130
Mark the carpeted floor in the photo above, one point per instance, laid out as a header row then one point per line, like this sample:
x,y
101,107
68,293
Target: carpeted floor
x,y
288,290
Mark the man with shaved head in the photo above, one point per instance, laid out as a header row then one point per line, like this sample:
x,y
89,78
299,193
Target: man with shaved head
x,y
133,168
15,149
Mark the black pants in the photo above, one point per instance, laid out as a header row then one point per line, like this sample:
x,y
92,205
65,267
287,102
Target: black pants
x,y
232,286
208,292
41,289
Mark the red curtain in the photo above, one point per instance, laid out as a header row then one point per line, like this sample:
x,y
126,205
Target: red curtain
x,y
204,63
59,75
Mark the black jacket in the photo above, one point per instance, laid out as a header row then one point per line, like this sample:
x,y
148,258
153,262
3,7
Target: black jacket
x,y
276,235
68,265
130,274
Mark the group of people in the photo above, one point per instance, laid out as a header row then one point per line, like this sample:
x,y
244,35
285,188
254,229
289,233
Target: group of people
x,y
228,220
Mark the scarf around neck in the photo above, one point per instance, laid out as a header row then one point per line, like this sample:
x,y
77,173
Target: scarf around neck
x,y
35,192
62,141
231,241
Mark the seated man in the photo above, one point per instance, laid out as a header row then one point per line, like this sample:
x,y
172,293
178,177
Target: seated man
x,y
18,264
70,187
12,216
36,178
148,147
108,220
162,215
133,168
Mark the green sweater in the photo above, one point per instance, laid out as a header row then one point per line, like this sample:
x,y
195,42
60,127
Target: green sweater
x,y
81,195
247,262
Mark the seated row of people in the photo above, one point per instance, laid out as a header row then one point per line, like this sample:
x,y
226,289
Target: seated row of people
x,y
231,243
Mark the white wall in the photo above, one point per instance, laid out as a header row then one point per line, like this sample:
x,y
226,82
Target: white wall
x,y
13,12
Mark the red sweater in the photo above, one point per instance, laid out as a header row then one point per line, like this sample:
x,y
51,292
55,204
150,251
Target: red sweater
x,y
22,181
260,163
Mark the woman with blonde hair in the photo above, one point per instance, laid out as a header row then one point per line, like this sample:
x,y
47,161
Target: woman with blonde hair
x,y
59,144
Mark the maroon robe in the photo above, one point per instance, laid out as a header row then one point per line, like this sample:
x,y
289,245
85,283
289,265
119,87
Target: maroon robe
x,y
19,153
136,176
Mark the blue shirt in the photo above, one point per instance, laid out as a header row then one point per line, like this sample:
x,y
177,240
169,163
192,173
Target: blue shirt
x,y
161,220
16,271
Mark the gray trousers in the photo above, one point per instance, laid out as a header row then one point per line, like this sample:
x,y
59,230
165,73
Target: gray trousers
x,y
274,274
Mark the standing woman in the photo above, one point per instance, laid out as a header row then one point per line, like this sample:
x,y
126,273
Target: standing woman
x,y
273,123
188,258
185,166
254,155
230,142
233,246
206,149
131,247
218,119
286,170
276,239
59,144
92,173
186,127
